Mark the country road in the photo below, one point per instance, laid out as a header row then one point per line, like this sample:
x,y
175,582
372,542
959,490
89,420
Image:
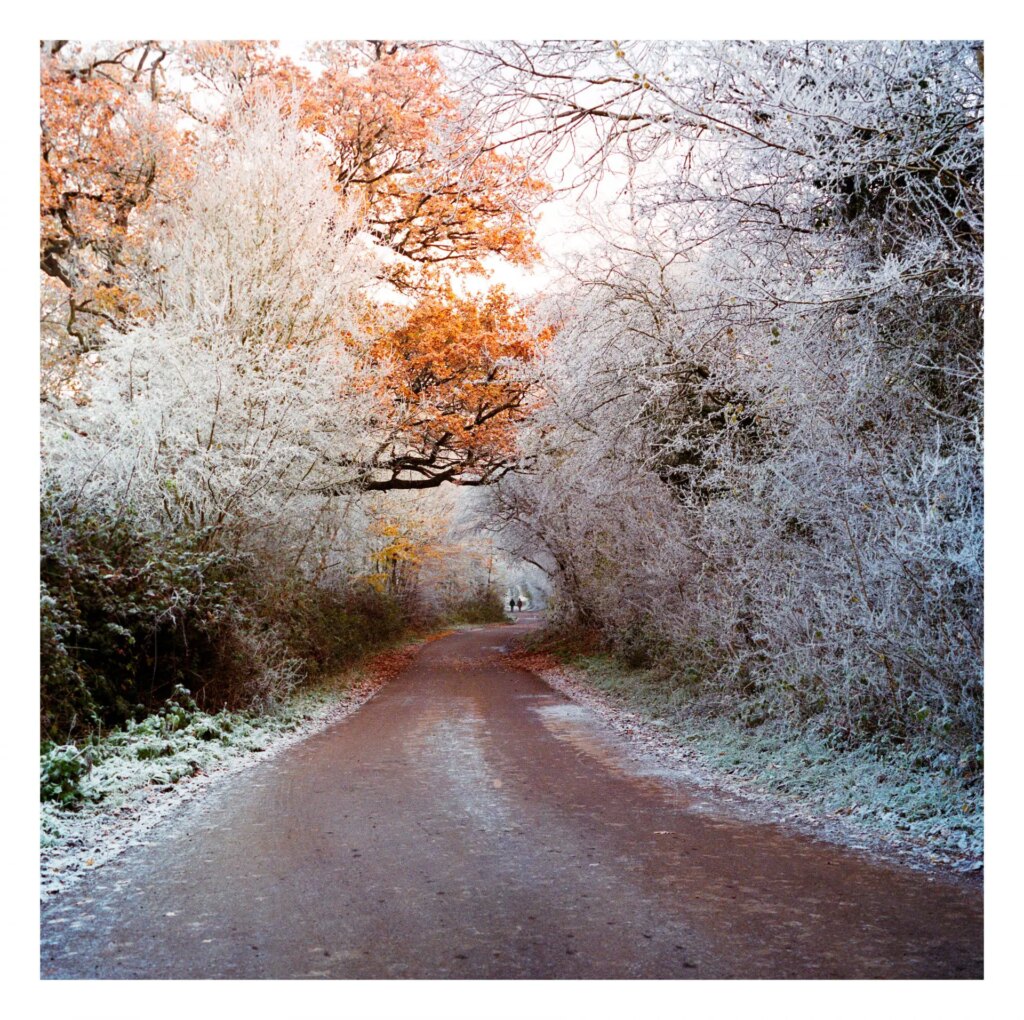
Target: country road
x,y
469,822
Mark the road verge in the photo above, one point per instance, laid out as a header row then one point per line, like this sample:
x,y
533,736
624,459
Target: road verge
x,y
882,803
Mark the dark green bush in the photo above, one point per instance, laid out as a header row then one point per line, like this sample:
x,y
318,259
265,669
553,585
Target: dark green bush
x,y
323,627
126,613
132,618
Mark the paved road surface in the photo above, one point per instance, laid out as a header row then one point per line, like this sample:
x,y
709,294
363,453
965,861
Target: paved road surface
x,y
471,823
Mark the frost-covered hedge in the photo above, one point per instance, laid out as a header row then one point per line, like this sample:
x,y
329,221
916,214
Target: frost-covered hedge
x,y
125,613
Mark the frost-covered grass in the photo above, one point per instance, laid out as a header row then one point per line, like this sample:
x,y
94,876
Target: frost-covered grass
x,y
158,752
912,798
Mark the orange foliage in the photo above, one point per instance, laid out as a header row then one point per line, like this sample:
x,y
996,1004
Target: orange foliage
x,y
435,193
432,190
106,154
456,370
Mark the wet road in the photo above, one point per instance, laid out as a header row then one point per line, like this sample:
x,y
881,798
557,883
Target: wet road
x,y
471,823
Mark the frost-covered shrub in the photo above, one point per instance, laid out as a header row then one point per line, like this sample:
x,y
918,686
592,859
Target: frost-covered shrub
x,y
133,618
322,626
254,669
61,681
62,769
485,605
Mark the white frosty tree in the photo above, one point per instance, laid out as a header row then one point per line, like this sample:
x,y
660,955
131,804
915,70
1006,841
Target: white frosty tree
x,y
229,410
761,443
